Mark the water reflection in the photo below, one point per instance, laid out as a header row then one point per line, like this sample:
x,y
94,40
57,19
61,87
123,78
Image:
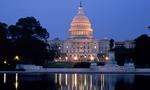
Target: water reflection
x,y
5,78
102,81
16,81
63,81
90,81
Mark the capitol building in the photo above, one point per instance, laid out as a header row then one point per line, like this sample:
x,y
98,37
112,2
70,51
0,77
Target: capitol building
x,y
80,44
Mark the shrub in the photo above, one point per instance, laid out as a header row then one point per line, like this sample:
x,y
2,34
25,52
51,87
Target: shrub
x,y
82,65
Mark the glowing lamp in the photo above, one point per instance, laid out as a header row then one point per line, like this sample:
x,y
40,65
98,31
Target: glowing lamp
x,y
5,62
106,58
17,58
75,58
92,58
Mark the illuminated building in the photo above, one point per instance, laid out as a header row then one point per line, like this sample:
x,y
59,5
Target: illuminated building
x,y
56,45
104,46
127,44
81,45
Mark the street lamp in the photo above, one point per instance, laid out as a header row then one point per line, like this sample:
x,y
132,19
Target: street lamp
x,y
92,58
85,57
75,58
5,62
59,58
66,58
17,58
106,58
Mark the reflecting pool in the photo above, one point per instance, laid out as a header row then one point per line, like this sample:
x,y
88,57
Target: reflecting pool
x,y
69,81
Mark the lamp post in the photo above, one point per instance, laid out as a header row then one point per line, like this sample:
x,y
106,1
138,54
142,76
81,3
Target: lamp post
x,y
85,57
66,58
5,62
59,59
106,58
75,58
17,58
92,58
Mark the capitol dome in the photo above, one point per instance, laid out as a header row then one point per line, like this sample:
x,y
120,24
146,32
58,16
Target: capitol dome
x,y
80,26
80,18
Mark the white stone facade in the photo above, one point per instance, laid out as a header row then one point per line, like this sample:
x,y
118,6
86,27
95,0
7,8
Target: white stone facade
x,y
127,44
81,49
104,46
81,45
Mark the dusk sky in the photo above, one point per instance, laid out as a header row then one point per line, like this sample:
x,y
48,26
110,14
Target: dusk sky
x,y
117,19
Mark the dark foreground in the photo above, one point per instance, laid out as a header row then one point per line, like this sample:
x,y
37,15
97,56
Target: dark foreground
x,y
73,81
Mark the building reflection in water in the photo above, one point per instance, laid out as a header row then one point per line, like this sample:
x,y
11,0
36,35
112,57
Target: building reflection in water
x,y
63,81
90,81
16,81
66,79
5,78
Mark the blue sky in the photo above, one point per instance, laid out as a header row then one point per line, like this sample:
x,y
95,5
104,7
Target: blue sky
x,y
117,19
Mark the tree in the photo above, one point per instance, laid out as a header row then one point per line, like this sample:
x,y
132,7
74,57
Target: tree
x,y
30,40
142,51
30,27
14,32
3,30
120,55
111,45
42,33
148,27
6,50
123,54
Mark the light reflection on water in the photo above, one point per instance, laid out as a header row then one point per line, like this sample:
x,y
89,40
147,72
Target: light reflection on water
x,y
90,81
63,81
16,81
5,78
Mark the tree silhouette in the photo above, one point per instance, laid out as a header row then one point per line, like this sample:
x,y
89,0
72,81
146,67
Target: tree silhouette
x,y
111,45
142,51
148,27
30,27
123,54
14,32
42,33
6,48
30,40
3,30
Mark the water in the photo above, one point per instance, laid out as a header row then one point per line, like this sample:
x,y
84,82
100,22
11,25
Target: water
x,y
59,81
